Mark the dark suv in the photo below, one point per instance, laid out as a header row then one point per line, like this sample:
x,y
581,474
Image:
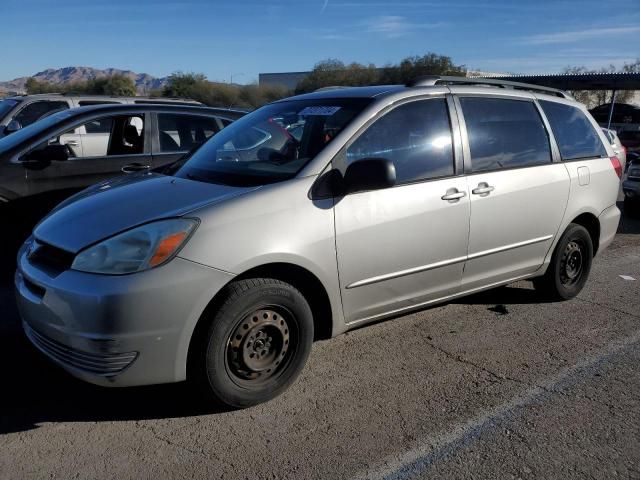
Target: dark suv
x,y
44,163
21,111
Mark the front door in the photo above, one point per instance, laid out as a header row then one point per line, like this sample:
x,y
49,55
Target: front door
x,y
403,246
106,144
518,194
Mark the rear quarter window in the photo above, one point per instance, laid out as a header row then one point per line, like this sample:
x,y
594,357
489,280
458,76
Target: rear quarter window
x,y
576,136
504,133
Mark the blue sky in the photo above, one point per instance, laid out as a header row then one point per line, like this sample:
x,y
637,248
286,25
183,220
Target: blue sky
x,y
244,37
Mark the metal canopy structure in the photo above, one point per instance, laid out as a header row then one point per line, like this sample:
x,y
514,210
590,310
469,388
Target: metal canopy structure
x,y
582,81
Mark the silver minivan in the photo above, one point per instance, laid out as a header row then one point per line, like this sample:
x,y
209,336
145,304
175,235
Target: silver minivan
x,y
225,268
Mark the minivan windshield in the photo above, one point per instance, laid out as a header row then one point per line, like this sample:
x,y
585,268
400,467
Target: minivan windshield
x,y
270,144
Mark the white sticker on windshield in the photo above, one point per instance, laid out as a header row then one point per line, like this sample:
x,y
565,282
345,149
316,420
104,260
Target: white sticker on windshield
x,y
319,110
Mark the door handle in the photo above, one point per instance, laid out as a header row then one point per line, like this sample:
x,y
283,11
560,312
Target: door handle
x,y
134,167
71,143
453,195
483,188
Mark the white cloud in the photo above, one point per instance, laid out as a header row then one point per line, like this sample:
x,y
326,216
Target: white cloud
x,y
576,36
394,26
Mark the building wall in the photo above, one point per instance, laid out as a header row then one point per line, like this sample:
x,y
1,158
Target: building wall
x,y
287,79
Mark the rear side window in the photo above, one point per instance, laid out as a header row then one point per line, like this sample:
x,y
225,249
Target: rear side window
x,y
574,133
504,133
181,133
415,136
37,110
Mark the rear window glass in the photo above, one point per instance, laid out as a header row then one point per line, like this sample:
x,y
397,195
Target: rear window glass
x,y
574,133
504,133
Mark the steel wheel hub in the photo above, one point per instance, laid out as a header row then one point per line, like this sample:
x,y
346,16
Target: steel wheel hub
x,y
259,344
572,263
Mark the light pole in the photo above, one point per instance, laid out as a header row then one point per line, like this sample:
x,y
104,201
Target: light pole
x,y
231,76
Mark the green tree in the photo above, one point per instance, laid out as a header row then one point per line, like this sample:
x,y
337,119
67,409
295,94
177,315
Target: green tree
x,y
411,68
116,85
34,86
186,85
215,94
332,72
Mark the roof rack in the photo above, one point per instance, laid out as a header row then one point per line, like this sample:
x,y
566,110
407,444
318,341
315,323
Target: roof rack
x,y
331,87
431,80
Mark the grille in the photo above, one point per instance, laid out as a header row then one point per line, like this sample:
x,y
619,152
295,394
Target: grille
x,y
106,365
49,257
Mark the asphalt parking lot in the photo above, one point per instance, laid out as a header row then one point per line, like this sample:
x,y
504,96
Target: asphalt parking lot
x,y
496,385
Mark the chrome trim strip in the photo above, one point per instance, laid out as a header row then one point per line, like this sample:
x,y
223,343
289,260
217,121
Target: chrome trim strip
x,y
402,273
445,263
509,247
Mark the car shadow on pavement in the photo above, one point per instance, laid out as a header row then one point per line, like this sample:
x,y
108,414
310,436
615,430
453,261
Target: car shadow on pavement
x,y
35,391
501,296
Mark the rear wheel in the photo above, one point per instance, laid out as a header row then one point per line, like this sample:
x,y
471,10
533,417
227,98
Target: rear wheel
x,y
256,343
570,265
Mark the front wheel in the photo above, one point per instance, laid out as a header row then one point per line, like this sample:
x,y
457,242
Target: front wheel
x,y
570,265
256,344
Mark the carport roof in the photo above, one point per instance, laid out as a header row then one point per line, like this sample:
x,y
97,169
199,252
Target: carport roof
x,y
582,81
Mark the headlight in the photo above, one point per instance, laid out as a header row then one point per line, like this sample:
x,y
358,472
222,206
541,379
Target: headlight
x,y
138,249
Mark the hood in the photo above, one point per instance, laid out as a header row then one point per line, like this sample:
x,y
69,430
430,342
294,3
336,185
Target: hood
x,y
114,206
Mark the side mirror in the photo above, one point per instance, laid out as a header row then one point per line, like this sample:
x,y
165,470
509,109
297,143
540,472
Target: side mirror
x,y
12,126
48,154
369,174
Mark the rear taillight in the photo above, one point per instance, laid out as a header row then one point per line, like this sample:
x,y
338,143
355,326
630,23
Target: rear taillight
x,y
617,166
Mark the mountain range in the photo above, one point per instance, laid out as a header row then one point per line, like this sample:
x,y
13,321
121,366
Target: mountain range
x,y
60,76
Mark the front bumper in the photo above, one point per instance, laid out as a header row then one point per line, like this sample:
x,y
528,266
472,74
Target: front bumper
x,y
116,330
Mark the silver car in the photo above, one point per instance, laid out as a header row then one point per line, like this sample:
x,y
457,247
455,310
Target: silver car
x,y
618,149
225,268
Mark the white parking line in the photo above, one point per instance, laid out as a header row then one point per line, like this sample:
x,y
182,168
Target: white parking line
x,y
432,449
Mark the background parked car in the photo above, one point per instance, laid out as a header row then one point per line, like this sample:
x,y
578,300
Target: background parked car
x,y
631,185
48,161
631,140
23,110
619,149
625,116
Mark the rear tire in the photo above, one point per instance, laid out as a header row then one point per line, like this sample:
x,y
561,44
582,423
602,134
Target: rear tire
x,y
570,265
256,343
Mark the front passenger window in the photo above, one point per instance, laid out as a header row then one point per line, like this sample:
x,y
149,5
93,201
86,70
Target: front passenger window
x,y
415,136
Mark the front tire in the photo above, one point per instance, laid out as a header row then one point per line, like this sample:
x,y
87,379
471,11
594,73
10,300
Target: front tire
x,y
256,344
570,265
